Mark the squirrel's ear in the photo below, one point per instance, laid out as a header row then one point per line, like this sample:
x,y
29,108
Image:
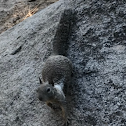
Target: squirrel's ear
x,y
40,81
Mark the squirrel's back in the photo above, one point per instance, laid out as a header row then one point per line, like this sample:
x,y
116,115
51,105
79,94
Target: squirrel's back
x,y
56,67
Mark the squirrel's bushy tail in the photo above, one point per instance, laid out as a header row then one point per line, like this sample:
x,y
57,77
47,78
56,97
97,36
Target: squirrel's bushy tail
x,y
60,43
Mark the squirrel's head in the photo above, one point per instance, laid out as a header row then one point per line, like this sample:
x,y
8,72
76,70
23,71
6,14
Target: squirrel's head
x,y
45,92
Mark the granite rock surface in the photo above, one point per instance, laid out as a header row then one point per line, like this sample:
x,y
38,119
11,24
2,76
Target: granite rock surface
x,y
97,49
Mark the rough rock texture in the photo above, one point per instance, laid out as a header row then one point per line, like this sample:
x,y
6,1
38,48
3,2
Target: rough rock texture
x,y
97,49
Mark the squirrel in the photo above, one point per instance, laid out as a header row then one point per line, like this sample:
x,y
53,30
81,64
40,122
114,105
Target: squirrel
x,y
57,70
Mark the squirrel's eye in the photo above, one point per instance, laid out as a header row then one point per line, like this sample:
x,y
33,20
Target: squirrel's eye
x,y
48,89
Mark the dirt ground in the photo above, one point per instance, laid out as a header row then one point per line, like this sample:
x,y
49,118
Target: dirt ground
x,y
14,11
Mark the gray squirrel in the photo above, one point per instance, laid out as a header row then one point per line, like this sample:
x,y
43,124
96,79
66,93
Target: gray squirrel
x,y
57,69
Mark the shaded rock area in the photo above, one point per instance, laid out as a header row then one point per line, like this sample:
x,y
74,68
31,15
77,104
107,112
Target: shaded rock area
x,y
97,49
14,11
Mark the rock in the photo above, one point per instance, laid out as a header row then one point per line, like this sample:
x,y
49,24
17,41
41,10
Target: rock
x,y
98,52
